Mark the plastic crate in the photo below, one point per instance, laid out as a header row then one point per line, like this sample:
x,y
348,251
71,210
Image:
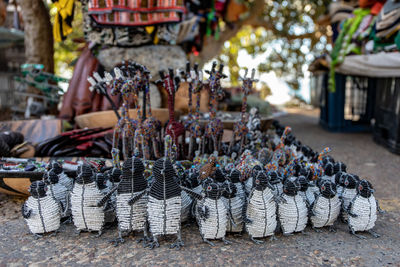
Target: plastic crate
x,y
351,107
386,130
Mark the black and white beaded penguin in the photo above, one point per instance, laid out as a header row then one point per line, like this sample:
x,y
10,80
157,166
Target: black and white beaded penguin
x,y
131,200
212,214
63,178
292,210
59,192
85,197
276,183
164,203
326,208
349,192
248,184
261,209
340,177
304,184
41,211
235,201
362,210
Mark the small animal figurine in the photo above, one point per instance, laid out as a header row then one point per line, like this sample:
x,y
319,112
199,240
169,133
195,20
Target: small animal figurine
x,y
234,201
59,192
212,214
85,196
261,210
349,192
363,209
131,200
248,184
303,182
165,203
292,210
208,169
340,167
174,128
325,210
109,205
214,129
62,177
276,182
329,172
41,211
340,177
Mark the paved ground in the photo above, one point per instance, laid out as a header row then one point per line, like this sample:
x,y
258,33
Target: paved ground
x,y
18,247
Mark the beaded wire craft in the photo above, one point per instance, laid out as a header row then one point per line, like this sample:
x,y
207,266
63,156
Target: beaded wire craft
x,y
215,129
240,127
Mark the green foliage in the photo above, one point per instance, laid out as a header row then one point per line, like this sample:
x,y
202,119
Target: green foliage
x,y
66,52
286,36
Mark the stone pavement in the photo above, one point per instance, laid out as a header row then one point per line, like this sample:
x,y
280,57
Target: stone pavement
x,y
358,151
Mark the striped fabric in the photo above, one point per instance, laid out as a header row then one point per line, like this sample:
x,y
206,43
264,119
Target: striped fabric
x,y
135,12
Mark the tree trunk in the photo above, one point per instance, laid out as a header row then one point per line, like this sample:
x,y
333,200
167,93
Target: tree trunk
x,y
38,33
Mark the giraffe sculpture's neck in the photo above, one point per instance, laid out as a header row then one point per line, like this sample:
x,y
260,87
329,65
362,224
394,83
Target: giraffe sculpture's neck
x,y
168,83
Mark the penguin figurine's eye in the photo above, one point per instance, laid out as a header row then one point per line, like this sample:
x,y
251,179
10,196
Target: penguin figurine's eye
x,y
257,181
346,182
323,188
360,188
209,188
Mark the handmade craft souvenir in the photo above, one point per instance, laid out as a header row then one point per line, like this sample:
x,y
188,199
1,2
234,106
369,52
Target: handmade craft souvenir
x,y
41,211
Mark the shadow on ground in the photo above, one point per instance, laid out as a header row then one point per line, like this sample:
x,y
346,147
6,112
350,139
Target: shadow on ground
x,y
358,151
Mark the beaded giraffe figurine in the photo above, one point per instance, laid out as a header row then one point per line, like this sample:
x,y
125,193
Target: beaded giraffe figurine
x,y
174,128
192,124
279,155
214,129
240,128
147,132
318,169
125,83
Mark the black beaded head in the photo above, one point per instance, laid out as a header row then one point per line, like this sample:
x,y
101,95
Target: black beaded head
x,y
38,189
303,182
85,175
364,188
235,176
255,170
290,186
132,179
340,167
355,176
192,179
229,189
326,159
328,170
115,175
340,178
273,177
219,176
289,139
306,151
101,181
350,182
163,169
260,181
327,189
56,167
213,190
52,177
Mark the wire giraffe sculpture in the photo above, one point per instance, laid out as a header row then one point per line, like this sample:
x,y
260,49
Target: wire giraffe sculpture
x,y
214,129
240,128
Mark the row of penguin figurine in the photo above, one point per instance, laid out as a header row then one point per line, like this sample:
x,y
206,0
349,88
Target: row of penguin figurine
x,y
222,199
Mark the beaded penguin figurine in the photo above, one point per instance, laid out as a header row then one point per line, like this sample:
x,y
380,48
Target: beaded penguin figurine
x,y
325,210
349,192
214,129
59,192
62,177
292,210
41,211
85,197
261,210
131,200
212,214
236,202
363,209
164,203
174,128
240,128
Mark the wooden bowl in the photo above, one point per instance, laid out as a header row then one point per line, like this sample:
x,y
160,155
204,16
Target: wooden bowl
x,y
108,119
